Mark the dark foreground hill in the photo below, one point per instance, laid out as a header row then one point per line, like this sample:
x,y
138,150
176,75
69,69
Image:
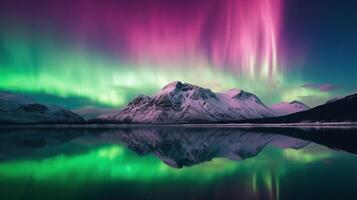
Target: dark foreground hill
x,y
342,110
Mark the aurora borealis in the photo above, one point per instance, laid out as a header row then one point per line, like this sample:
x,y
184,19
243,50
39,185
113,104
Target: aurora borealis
x,y
91,53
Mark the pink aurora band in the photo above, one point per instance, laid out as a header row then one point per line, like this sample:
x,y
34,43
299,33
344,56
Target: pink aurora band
x,y
240,36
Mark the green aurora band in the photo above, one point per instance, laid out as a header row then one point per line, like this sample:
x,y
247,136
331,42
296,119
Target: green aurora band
x,y
52,66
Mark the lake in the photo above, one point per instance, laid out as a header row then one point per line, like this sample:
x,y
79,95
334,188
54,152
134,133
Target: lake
x,y
171,162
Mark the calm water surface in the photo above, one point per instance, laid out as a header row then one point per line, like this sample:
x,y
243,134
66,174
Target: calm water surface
x,y
177,163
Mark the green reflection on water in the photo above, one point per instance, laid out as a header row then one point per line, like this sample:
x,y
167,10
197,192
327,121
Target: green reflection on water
x,y
116,163
304,156
112,162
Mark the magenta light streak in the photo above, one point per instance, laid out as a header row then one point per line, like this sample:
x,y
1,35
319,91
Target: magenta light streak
x,y
241,36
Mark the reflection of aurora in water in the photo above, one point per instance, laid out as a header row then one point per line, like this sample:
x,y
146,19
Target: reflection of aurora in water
x,y
180,163
116,163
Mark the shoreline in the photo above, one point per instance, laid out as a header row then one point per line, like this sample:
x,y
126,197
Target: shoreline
x,y
352,125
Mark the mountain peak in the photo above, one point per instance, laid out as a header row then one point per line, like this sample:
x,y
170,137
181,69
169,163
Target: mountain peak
x,y
181,102
297,102
233,92
244,96
178,86
192,91
172,85
285,108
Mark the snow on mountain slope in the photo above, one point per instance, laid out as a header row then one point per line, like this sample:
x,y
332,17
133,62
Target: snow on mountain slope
x,y
16,108
286,108
181,103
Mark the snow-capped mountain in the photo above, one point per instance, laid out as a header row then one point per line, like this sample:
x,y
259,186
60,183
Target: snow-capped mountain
x,y
16,108
181,103
286,108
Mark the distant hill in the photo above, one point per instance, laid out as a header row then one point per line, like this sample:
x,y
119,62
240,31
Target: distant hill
x,y
19,109
286,108
338,110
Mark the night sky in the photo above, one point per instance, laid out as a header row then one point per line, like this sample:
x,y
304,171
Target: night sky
x,y
88,54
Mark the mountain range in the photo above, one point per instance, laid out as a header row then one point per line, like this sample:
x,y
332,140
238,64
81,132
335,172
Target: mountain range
x,y
15,108
179,103
186,103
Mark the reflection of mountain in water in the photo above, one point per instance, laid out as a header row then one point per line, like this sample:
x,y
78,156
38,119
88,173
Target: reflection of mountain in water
x,y
180,147
177,147
24,142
